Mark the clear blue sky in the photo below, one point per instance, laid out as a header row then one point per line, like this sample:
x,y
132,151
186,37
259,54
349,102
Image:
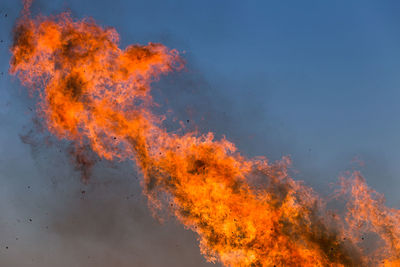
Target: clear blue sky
x,y
317,80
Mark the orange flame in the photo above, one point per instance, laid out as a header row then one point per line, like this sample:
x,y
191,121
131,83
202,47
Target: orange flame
x,y
246,212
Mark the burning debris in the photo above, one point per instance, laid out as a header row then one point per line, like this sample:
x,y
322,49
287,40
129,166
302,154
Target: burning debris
x,y
246,212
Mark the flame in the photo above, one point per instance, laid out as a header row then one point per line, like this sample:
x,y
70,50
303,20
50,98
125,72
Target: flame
x,y
246,212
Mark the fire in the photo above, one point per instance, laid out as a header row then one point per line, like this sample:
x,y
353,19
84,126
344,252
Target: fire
x,y
246,212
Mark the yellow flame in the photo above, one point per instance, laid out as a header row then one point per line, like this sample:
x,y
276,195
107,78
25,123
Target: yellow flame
x,y
246,212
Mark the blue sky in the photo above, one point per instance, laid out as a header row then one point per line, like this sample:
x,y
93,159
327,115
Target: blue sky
x,y
317,80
